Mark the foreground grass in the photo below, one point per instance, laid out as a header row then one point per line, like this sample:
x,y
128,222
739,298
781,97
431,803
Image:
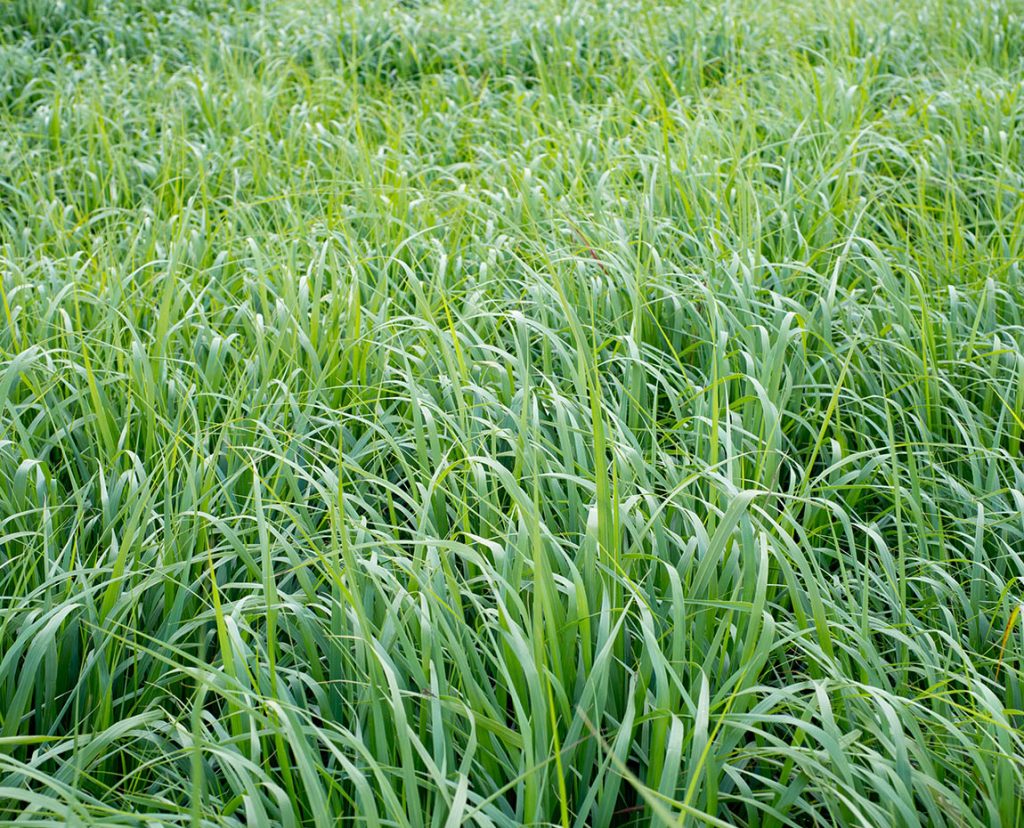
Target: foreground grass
x,y
484,413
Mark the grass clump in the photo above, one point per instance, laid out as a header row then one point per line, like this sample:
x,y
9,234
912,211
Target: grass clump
x,y
474,413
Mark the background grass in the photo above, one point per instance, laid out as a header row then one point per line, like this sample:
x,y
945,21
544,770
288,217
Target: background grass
x,y
468,412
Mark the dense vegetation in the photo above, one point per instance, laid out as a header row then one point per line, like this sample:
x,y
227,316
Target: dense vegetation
x,y
470,412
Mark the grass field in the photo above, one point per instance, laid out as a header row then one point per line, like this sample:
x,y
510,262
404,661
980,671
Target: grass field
x,y
487,413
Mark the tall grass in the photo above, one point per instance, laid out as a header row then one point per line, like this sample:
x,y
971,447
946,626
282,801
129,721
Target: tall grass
x,y
479,413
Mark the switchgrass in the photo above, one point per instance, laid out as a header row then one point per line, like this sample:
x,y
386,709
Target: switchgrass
x,y
481,413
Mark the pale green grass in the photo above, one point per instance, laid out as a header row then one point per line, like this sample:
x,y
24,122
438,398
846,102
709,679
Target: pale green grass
x,y
468,412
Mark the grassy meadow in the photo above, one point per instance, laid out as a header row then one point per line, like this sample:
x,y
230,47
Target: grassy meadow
x,y
504,413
